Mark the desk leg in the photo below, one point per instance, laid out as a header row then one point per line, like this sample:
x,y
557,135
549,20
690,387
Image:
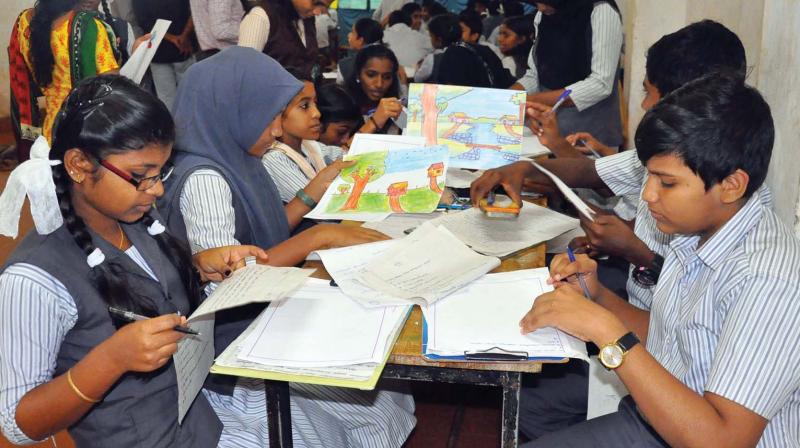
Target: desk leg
x,y
511,387
279,418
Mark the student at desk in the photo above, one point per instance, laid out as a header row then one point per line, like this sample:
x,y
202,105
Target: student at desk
x,y
66,364
577,47
712,359
228,113
375,86
559,398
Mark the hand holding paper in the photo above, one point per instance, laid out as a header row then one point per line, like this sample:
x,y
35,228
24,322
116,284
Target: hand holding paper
x,y
581,206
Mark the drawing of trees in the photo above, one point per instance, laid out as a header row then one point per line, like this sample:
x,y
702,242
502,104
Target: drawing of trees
x,y
414,108
431,115
369,166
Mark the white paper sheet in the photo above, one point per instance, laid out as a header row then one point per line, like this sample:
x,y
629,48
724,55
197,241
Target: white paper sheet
x,y
500,237
377,142
458,178
581,206
137,64
193,359
486,314
251,284
319,326
345,264
531,147
398,226
605,390
426,266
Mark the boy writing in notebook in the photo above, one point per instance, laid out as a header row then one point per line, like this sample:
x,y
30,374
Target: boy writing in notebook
x,y
712,359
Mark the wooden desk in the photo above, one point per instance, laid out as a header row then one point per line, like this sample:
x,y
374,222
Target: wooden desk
x,y
407,363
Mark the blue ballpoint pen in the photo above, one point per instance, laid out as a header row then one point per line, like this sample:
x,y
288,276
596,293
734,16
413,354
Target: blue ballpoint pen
x,y
561,98
585,289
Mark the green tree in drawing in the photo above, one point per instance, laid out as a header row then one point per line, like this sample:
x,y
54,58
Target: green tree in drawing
x,y
414,108
434,99
369,166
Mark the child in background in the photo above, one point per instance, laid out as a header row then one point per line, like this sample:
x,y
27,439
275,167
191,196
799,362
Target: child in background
x,y
365,32
515,41
340,116
295,158
375,87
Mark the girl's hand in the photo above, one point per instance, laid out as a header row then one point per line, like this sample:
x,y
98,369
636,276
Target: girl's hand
x,y
563,273
337,235
145,345
387,108
316,188
218,263
139,41
585,143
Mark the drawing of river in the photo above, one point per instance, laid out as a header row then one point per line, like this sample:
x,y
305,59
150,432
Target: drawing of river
x,y
486,145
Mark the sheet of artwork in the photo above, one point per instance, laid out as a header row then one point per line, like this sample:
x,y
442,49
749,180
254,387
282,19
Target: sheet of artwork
x,y
481,127
389,181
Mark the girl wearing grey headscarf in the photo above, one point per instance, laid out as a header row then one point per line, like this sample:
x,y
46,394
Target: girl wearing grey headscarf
x,y
227,113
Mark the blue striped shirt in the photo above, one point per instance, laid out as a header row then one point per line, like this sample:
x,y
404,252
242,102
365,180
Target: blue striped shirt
x,y
624,174
725,317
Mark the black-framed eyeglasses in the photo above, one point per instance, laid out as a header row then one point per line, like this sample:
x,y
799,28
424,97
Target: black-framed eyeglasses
x,y
143,184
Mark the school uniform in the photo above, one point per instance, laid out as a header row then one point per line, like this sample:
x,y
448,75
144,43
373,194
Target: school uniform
x,y
292,170
223,196
53,316
560,398
595,95
408,45
724,318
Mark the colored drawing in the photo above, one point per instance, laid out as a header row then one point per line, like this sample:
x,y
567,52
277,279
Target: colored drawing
x,y
482,128
390,181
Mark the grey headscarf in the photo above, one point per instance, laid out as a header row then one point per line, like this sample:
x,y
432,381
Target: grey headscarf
x,y
223,105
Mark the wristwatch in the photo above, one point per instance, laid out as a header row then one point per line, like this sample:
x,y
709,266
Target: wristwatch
x,y
612,354
647,275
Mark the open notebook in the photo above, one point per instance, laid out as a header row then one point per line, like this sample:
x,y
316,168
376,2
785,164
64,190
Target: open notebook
x,y
317,335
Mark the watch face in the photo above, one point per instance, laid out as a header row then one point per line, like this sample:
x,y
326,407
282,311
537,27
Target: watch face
x,y
611,356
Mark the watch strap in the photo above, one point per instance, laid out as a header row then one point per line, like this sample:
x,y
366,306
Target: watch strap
x,y
628,341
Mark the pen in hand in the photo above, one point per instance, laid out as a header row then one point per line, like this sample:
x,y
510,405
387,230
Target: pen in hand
x,y
585,289
561,98
130,316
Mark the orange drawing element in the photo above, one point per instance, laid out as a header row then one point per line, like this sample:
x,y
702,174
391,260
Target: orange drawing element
x,y
431,113
396,190
360,182
508,122
434,171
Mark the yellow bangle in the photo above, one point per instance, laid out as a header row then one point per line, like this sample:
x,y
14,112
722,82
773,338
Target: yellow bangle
x,y
77,391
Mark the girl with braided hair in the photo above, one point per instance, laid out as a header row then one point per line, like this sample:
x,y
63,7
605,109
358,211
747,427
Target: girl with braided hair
x,y
67,363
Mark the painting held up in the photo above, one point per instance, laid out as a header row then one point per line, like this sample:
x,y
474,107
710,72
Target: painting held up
x,y
384,182
482,128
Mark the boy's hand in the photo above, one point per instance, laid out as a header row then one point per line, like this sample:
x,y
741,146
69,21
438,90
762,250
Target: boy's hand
x,y
337,235
567,310
511,177
610,235
585,143
564,273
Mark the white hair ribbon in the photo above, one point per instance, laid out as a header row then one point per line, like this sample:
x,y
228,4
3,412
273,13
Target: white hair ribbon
x,y
95,258
156,228
33,178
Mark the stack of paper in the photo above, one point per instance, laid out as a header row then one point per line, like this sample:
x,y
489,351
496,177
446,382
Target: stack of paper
x,y
195,355
499,238
318,326
460,178
317,335
460,322
398,226
426,266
